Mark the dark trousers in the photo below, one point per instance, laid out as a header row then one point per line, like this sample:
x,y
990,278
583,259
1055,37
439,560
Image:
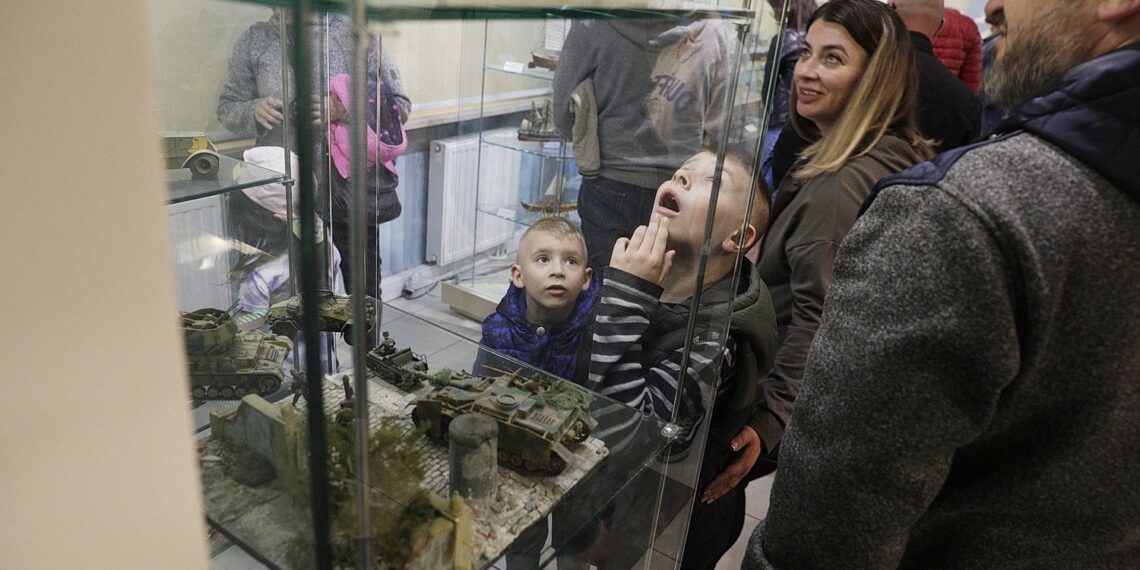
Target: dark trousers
x,y
610,210
340,233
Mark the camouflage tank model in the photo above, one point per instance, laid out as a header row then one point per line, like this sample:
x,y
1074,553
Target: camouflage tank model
x,y
539,422
226,363
284,318
397,367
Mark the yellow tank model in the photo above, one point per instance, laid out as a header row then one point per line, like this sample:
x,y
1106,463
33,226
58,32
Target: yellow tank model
x,y
193,150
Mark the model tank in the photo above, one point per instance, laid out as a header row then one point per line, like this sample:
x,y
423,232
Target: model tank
x,y
192,150
226,363
284,318
539,422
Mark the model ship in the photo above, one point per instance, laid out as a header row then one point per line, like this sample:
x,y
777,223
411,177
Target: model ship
x,y
550,207
226,363
284,318
552,202
538,125
547,60
540,422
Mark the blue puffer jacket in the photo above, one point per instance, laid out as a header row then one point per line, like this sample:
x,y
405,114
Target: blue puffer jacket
x,y
553,349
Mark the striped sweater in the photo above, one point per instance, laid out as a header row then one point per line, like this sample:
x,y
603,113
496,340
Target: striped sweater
x,y
637,347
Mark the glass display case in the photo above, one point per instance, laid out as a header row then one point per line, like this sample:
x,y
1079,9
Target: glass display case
x,y
340,421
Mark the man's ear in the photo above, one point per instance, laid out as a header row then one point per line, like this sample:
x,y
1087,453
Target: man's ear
x,y
516,276
1117,10
738,241
589,276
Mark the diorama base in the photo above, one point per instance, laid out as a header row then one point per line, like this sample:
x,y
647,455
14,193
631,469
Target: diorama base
x,y
267,518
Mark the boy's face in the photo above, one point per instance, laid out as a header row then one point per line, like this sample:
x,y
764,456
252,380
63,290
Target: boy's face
x,y
684,199
553,272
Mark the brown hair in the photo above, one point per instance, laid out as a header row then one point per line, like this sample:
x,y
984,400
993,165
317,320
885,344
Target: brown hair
x,y
885,100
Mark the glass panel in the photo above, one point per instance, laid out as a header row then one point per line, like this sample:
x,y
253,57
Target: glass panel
x,y
466,107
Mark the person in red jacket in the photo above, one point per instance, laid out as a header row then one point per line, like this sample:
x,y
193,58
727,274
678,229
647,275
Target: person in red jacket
x,y
958,45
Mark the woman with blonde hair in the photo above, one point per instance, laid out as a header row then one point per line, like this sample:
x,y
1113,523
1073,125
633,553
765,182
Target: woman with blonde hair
x,y
854,100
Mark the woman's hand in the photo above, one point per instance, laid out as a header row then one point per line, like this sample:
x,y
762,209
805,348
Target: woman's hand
x,y
268,112
746,445
644,254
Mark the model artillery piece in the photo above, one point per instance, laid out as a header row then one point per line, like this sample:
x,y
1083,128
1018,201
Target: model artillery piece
x,y
540,422
191,150
285,317
227,364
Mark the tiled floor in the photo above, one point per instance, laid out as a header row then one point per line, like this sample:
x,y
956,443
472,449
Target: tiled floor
x,y
448,339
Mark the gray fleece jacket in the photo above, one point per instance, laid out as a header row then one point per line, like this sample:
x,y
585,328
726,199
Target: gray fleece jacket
x,y
255,72
972,399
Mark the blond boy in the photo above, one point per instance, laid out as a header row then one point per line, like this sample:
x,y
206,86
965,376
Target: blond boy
x,y
543,316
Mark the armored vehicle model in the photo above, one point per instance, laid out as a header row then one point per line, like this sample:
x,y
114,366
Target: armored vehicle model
x,y
226,363
193,150
539,422
284,318
397,367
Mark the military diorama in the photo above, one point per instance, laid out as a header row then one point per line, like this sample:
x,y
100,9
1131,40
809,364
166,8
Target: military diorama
x,y
538,125
226,363
190,150
284,317
255,462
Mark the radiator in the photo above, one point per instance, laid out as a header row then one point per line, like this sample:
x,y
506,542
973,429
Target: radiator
x,y
457,229
202,255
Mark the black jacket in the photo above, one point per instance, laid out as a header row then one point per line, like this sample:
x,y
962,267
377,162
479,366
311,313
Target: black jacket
x,y
948,111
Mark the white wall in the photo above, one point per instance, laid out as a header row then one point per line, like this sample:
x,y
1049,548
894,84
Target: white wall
x,y
98,468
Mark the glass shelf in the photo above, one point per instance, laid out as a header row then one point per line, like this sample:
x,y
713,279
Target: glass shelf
x,y
232,175
383,10
546,149
520,69
523,217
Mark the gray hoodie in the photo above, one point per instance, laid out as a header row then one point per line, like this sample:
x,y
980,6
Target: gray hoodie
x,y
659,89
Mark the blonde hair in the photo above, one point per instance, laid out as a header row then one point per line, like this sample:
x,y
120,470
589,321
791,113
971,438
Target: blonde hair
x,y
744,158
556,226
885,100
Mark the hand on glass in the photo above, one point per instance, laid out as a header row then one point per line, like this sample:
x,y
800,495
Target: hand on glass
x,y
267,111
746,449
644,254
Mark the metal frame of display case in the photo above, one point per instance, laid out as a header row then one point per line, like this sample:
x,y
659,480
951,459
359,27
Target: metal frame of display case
x,y
309,265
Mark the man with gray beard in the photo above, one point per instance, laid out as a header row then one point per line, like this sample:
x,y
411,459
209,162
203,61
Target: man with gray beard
x,y
972,399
